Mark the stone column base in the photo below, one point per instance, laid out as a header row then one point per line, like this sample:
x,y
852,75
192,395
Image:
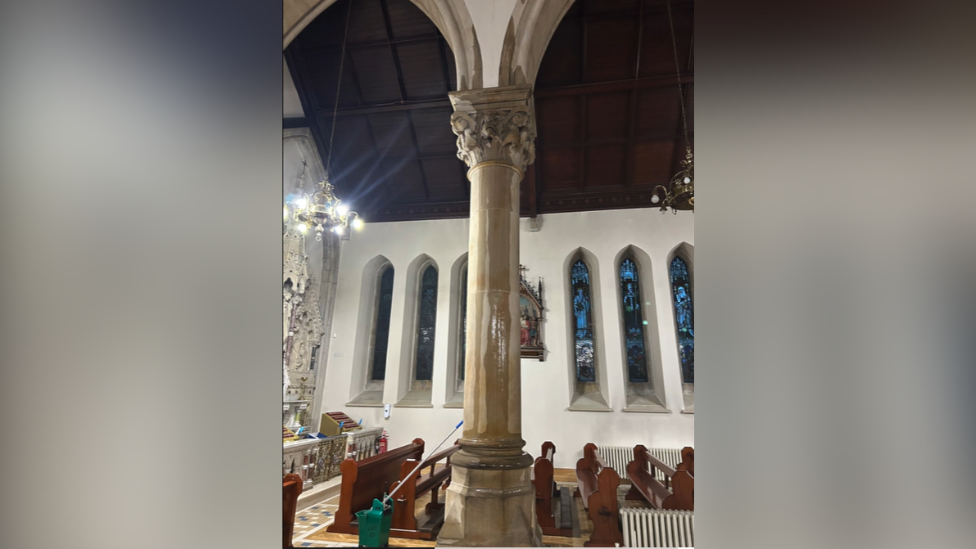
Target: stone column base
x,y
490,508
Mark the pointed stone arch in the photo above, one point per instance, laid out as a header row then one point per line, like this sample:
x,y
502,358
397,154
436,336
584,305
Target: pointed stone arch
x,y
451,18
529,31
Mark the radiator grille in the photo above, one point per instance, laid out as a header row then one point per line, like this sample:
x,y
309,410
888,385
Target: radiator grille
x,y
657,528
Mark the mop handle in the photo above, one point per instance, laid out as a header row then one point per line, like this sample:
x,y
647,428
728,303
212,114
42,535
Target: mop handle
x,y
422,462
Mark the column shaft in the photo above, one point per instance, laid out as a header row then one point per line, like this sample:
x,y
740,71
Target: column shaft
x,y
491,501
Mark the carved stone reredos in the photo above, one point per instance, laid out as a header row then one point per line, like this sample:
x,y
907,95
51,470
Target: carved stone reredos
x,y
295,262
308,332
496,124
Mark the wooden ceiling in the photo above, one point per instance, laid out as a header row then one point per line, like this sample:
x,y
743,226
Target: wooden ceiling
x,y
606,100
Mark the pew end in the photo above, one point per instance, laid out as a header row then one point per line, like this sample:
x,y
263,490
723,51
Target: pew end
x,y
291,488
597,486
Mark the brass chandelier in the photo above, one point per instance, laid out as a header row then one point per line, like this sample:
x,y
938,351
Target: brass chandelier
x,y
322,210
680,192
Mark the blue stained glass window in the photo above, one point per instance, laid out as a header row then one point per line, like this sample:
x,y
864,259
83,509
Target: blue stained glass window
x,y
633,322
583,326
383,325
684,318
464,320
425,326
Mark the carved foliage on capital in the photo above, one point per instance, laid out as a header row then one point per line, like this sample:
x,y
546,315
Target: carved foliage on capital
x,y
506,135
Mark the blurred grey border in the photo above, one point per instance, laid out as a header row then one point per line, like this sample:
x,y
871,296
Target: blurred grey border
x,y
835,274
140,161
141,251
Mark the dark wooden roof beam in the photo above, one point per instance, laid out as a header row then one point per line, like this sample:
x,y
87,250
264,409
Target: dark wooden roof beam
x,y
676,136
374,43
387,107
393,51
416,153
614,86
630,13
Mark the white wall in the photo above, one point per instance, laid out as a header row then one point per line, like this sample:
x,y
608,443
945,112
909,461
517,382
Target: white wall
x,y
546,386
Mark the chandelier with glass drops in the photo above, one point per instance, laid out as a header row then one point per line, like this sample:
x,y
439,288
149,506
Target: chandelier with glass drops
x,y
680,192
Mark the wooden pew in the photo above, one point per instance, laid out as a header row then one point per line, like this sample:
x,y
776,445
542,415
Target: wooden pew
x,y
597,487
678,489
292,488
405,523
546,493
369,479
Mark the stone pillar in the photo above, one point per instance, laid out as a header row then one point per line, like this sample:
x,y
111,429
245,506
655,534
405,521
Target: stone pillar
x,y
491,500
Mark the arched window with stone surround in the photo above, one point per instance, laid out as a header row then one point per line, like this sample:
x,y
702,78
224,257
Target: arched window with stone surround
x,y
463,336
371,351
426,325
458,330
683,317
583,325
633,322
640,339
381,330
416,367
584,331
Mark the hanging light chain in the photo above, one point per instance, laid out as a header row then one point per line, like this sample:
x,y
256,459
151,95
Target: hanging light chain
x,y
321,210
677,71
335,110
680,192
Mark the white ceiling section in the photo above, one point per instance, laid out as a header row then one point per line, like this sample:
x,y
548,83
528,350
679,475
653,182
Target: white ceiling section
x,y
291,106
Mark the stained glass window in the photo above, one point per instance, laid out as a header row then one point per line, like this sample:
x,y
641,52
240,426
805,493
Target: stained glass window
x,y
633,322
583,325
684,318
383,325
464,320
425,326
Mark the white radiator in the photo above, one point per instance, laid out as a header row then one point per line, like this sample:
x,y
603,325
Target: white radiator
x,y
618,457
657,528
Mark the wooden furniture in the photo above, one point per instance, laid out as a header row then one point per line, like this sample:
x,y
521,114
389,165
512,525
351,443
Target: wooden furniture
x,y
598,484
405,522
678,489
292,487
336,423
287,435
369,479
546,495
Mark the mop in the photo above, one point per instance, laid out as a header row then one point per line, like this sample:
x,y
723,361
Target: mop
x,y
374,524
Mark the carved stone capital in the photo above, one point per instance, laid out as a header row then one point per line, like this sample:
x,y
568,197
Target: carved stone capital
x,y
496,124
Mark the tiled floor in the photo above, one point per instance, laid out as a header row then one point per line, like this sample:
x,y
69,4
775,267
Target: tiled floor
x,y
315,519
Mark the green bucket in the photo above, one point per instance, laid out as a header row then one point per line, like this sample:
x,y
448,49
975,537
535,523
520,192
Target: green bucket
x,y
374,524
